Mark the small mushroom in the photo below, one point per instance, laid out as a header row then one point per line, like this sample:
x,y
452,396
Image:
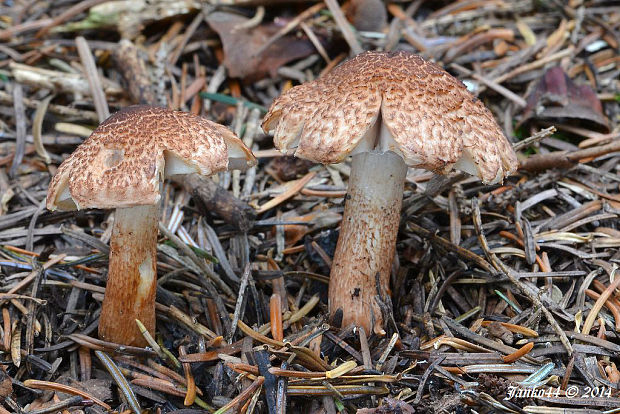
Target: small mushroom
x,y
121,166
389,111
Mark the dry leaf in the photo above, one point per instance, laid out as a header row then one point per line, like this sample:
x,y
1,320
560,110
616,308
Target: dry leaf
x,y
241,44
497,330
288,168
557,96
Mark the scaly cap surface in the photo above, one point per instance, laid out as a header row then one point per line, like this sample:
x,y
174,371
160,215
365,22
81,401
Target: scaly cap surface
x,y
123,161
434,122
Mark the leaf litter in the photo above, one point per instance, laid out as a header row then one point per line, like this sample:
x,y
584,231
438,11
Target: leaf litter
x,y
504,298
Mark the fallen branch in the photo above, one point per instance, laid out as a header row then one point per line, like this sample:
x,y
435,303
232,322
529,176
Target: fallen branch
x,y
566,159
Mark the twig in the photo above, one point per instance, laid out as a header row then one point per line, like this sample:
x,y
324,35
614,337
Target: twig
x,y
493,85
424,378
32,224
58,81
191,29
90,116
534,65
446,244
68,14
212,198
20,128
191,323
315,41
243,395
46,385
542,134
344,26
565,159
198,261
240,300
18,29
134,72
57,407
99,98
294,188
290,26
499,265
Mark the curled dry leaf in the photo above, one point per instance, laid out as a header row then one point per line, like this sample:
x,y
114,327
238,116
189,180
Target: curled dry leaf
x,y
557,97
496,330
240,45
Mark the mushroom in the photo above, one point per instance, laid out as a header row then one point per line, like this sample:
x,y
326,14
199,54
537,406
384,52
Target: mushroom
x,y
121,166
389,111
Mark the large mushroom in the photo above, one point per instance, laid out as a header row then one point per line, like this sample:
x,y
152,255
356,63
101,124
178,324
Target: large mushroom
x,y
121,166
389,111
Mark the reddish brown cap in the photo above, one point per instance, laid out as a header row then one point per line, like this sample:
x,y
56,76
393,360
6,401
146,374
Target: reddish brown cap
x,y
427,116
122,163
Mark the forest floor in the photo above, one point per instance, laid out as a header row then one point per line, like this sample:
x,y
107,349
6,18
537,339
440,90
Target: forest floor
x,y
504,297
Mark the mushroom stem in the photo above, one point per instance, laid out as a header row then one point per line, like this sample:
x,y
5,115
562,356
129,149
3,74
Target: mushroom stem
x,y
132,276
366,245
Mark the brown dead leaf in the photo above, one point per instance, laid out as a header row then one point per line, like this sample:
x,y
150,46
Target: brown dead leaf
x,y
557,96
497,330
240,46
288,168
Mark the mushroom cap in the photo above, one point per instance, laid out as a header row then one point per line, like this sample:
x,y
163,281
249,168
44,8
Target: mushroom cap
x,y
122,163
434,121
